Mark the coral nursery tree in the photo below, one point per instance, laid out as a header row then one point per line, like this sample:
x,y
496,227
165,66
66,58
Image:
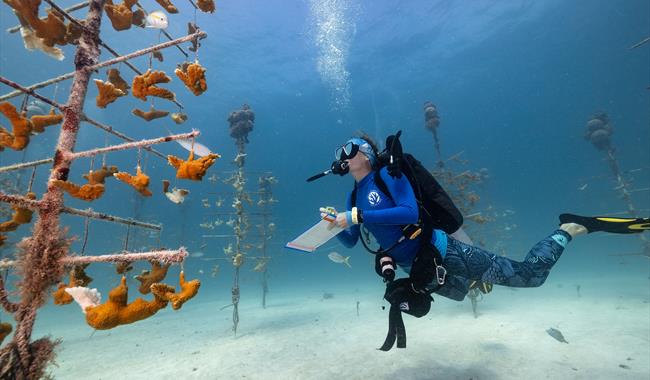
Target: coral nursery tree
x,y
42,258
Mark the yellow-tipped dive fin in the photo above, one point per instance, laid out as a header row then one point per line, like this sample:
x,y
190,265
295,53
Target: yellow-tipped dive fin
x,y
608,224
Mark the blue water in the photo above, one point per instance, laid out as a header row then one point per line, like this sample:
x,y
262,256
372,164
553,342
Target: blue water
x,y
514,81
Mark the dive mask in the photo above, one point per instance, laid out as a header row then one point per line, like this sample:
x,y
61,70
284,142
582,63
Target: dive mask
x,y
347,151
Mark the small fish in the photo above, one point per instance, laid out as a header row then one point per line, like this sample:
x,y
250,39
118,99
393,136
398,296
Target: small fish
x,y
260,266
156,20
215,270
201,271
197,254
199,149
337,258
643,41
557,335
583,187
205,202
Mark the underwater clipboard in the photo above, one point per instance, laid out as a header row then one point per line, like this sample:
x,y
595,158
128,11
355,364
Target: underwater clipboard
x,y
316,236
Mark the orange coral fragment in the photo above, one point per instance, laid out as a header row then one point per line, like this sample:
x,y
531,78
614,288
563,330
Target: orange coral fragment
x,y
78,277
21,216
188,291
108,93
153,114
99,176
148,278
117,312
5,330
192,169
145,85
169,7
194,78
121,16
18,138
117,80
51,30
39,122
140,181
90,191
206,5
87,192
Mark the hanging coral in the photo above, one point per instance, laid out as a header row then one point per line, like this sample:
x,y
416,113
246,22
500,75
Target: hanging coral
x,y
145,85
168,293
78,277
18,138
117,80
139,18
169,7
99,176
108,93
140,181
206,5
120,15
91,190
51,30
32,42
193,75
150,277
191,29
39,122
87,192
192,169
150,115
73,32
116,311
158,55
20,216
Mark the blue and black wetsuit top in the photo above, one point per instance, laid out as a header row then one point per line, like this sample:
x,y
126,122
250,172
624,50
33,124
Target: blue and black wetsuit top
x,y
384,216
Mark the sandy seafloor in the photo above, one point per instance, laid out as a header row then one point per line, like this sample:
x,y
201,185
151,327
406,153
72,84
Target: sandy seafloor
x,y
300,335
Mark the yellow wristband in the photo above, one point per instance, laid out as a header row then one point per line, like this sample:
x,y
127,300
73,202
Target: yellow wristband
x,y
355,219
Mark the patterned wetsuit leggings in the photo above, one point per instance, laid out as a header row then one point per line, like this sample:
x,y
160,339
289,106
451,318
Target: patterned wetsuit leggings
x,y
474,263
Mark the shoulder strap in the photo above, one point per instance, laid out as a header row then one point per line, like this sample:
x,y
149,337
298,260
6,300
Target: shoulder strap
x,y
382,185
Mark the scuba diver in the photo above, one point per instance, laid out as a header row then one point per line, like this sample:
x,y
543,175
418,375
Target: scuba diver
x,y
390,201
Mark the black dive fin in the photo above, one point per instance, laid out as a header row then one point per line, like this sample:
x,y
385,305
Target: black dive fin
x,y
608,224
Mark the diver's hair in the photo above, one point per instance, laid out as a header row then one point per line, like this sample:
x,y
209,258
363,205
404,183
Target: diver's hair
x,y
371,141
